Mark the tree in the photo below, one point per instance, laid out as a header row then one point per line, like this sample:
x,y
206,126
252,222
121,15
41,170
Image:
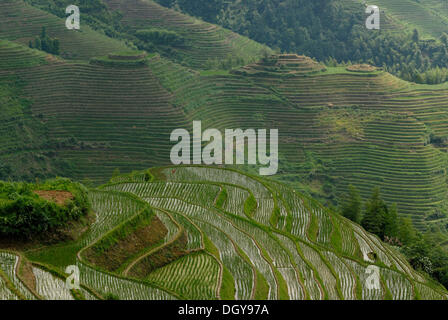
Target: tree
x,y
415,36
37,44
406,231
116,172
444,38
45,43
373,220
391,222
43,33
352,206
56,46
418,253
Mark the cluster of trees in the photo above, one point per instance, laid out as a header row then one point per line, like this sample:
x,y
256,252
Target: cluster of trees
x,y
432,76
325,29
24,215
422,250
160,36
377,217
45,43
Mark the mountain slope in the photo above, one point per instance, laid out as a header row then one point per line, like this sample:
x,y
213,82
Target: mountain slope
x,y
113,26
82,107
429,17
203,41
21,22
95,109
286,247
337,127
335,31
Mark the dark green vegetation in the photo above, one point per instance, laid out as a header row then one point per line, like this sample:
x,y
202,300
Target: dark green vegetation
x,y
45,43
160,36
335,31
130,59
380,219
352,205
24,214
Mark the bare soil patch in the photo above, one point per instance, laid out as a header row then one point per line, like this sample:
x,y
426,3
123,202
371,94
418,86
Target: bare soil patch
x,y
362,68
26,274
59,197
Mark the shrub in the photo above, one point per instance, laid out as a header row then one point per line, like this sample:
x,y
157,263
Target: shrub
x,y
115,63
250,205
111,296
23,214
160,36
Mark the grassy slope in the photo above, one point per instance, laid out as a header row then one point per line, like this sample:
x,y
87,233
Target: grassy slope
x,y
204,41
101,94
430,17
21,134
21,22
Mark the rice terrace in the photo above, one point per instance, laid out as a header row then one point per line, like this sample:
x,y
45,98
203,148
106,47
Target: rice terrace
x,y
223,150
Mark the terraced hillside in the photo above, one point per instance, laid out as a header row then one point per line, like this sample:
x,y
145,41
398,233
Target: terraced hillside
x,y
21,22
429,16
208,243
337,127
203,41
79,109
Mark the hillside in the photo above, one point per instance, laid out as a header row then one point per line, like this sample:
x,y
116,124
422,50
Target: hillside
x,y
83,120
204,42
209,243
429,16
69,96
114,26
410,44
21,22
109,102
